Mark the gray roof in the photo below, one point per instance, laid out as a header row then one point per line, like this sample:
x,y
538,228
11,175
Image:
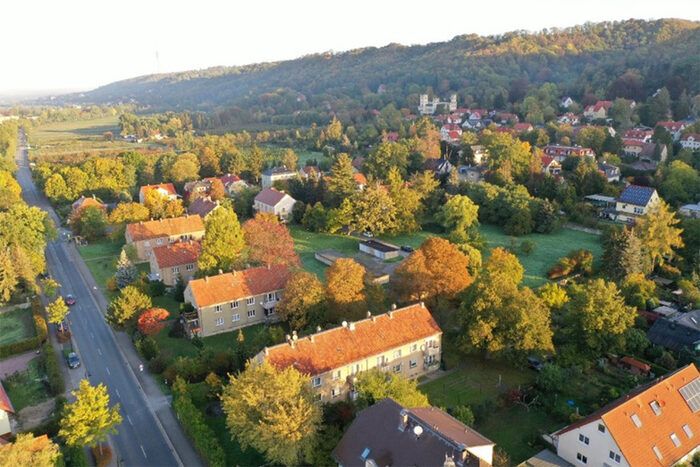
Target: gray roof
x,y
691,207
679,331
635,194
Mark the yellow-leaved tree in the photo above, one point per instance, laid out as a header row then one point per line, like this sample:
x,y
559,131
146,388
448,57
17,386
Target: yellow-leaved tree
x,y
28,450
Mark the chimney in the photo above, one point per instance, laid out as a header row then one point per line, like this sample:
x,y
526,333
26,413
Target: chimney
x,y
422,304
344,324
403,419
351,326
220,271
206,279
369,314
391,315
318,328
393,306
268,266
311,338
294,336
463,452
267,351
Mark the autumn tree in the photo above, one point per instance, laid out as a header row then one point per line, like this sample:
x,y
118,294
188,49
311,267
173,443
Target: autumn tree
x,y
407,203
89,420
268,242
90,222
152,320
8,276
597,315
459,217
553,295
341,182
384,157
272,411
658,233
624,253
290,159
50,286
373,210
497,315
508,154
57,311
375,385
302,296
126,272
29,450
123,308
345,288
435,270
223,244
160,206
217,191
255,163
184,169
127,213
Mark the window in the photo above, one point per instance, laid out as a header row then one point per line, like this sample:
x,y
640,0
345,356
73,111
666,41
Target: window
x,y
236,317
638,211
190,267
250,301
336,374
251,313
584,439
581,458
614,456
412,363
657,452
217,308
636,420
380,360
355,369
159,241
234,305
176,270
414,347
688,431
397,353
335,392
675,439
397,368
601,428
146,243
655,407
219,321
316,382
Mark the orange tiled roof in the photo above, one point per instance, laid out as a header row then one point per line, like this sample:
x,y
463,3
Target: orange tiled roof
x,y
5,403
239,284
84,202
360,179
165,227
177,254
636,443
169,187
342,346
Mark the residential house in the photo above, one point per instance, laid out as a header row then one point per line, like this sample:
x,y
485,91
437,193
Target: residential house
x,y
508,118
690,210
597,111
387,433
5,410
677,331
654,152
233,184
449,130
147,235
202,207
654,425
274,201
455,119
379,249
691,141
634,201
471,173
634,366
175,261
310,172
550,165
438,166
234,300
566,102
165,189
277,174
609,171
675,128
85,202
461,111
562,152
632,147
520,127
406,341
360,180
638,134
570,118
197,189
391,136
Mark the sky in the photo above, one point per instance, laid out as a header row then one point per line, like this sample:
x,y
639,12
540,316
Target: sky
x,y
71,45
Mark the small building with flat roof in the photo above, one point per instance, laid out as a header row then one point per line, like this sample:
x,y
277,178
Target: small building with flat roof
x,y
379,249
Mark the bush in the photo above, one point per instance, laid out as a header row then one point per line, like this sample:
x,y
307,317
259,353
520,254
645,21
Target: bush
x,y
464,414
103,456
156,288
111,284
148,348
75,456
53,370
177,329
550,378
24,345
528,246
158,364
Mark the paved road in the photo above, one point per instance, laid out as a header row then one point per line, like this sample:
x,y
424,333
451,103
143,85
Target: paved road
x,y
142,440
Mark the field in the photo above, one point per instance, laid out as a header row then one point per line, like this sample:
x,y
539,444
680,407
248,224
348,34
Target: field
x,y
16,325
307,243
27,388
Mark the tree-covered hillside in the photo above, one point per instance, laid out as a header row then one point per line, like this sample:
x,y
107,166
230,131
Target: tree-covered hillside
x,y
612,59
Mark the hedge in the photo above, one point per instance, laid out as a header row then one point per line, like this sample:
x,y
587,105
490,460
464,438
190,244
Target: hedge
x,y
53,370
42,331
29,343
200,433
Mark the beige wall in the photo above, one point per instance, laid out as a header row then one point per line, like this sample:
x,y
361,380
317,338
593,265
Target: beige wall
x,y
170,275
627,211
144,248
4,423
208,316
283,209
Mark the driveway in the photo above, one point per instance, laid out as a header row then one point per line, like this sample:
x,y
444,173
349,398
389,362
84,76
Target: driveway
x,y
17,363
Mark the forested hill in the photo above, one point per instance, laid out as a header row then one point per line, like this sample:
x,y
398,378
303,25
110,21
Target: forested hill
x,y
628,59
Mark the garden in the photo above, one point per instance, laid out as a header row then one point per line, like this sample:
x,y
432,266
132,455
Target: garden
x,y
16,325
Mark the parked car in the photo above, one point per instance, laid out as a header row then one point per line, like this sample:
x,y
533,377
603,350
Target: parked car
x,y
70,300
73,360
407,249
535,363
367,234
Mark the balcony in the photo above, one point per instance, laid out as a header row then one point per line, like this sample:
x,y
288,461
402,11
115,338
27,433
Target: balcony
x,y
431,351
270,304
430,366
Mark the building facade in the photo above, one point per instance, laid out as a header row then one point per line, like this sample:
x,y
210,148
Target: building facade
x,y
175,261
145,236
275,202
634,202
269,177
165,189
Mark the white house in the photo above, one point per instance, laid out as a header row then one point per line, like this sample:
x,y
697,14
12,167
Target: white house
x,y
274,201
675,128
165,189
634,201
269,177
654,425
691,141
566,102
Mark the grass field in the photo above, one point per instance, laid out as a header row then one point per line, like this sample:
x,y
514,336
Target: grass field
x,y
27,388
16,325
307,243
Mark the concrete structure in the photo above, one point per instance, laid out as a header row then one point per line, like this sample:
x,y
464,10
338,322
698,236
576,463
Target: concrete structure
x,y
387,433
234,300
145,236
269,177
379,249
175,261
634,201
654,425
406,341
165,189
274,201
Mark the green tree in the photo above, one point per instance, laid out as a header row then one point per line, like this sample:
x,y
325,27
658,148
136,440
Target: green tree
x,y
373,211
273,412
658,233
126,213
30,450
340,181
592,137
509,154
621,112
90,222
459,216
57,311
553,295
407,203
50,287
255,162
464,414
384,157
303,294
56,190
89,420
639,291
124,308
375,385
223,244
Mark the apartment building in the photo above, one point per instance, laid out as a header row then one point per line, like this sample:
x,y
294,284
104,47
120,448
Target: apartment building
x,y
175,261
406,341
147,235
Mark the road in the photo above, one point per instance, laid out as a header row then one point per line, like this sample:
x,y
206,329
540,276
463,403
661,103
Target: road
x,y
142,439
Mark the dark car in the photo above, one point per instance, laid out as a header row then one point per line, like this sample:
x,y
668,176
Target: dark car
x,y
73,360
407,249
70,300
535,363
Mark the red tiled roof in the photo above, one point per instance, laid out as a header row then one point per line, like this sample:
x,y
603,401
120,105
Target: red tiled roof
x,y
5,403
177,254
84,202
671,126
233,286
548,160
451,127
632,142
360,179
600,105
635,133
227,179
169,187
522,127
635,363
454,134
695,136
341,346
202,206
636,443
165,227
270,196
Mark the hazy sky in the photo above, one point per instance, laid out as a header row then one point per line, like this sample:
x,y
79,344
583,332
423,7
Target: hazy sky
x,y
82,44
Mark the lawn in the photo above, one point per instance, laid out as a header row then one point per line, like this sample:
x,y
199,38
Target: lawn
x,y
101,259
16,325
234,454
74,130
27,388
100,249
307,243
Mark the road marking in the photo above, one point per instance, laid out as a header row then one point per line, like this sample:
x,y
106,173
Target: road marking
x,y
108,371
99,351
143,451
118,396
129,418
93,336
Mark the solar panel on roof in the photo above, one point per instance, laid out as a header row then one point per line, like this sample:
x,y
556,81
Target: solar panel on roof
x,y
691,394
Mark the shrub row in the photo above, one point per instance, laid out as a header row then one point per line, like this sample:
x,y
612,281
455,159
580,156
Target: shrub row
x,y
29,343
42,331
53,370
203,437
